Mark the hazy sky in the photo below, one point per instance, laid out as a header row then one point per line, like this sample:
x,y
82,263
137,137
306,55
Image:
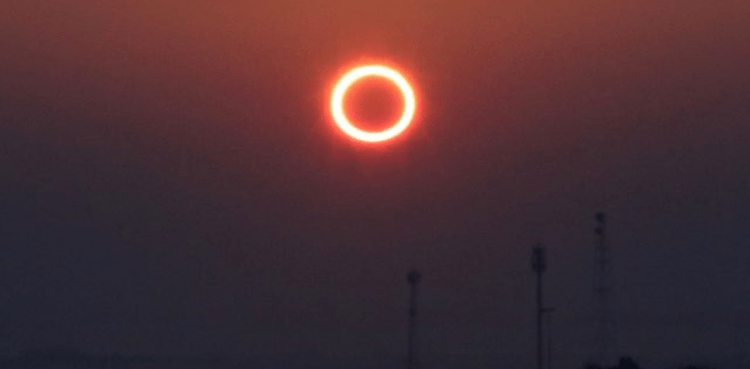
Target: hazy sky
x,y
172,182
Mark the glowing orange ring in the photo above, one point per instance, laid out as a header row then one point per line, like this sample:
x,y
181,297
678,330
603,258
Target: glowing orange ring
x,y
337,103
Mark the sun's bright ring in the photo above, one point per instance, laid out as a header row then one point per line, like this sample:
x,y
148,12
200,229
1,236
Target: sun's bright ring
x,y
337,103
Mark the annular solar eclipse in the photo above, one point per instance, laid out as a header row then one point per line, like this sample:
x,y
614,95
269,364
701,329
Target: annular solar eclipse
x,y
372,71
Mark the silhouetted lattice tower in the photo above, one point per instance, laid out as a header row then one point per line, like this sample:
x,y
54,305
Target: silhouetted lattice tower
x,y
411,361
605,329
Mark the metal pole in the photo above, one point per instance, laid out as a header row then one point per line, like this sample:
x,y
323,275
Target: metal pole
x,y
411,361
539,265
539,312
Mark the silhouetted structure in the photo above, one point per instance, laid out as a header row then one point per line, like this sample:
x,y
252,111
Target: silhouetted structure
x,y
413,277
604,337
539,265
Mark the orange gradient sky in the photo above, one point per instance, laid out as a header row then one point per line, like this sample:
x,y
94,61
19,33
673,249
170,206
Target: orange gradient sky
x,y
187,147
